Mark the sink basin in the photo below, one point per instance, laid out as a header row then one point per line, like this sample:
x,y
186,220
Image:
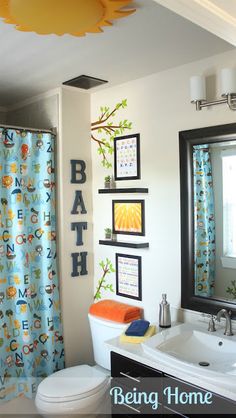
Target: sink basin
x,y
196,351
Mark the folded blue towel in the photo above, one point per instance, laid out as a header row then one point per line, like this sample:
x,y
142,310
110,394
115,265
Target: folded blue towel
x,y
137,328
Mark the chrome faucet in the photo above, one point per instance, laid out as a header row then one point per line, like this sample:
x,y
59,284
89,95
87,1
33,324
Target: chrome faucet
x,y
228,325
211,325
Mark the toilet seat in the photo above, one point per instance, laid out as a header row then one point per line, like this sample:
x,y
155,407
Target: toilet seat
x,y
72,384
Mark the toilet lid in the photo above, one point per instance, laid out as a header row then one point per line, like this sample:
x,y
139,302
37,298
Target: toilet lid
x,y
73,383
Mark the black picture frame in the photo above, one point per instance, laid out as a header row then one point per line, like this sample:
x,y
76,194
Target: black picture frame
x,y
137,172
187,140
135,277
115,230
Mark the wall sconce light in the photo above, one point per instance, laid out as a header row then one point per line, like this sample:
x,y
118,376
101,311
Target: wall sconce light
x,y
228,90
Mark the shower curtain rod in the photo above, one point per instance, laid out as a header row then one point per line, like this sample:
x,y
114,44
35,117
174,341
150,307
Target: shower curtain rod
x,y
21,128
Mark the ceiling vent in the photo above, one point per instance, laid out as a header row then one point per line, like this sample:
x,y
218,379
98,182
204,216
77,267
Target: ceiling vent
x,y
85,82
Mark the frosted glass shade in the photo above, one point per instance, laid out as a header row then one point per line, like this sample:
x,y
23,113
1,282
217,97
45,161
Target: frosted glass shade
x,y
228,81
197,88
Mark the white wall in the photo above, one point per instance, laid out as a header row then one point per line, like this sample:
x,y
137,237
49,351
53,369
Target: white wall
x,y
159,107
76,293
3,115
40,112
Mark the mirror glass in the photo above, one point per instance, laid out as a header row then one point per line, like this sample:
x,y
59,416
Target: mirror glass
x,y
214,195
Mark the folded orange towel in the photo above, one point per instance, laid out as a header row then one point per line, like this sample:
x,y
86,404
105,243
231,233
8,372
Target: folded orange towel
x,y
115,311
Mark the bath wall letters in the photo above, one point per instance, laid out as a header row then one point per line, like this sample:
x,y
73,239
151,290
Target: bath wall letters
x,y
79,260
79,201
78,167
79,227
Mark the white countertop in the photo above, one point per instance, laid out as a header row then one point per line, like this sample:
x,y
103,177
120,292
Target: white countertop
x,y
136,352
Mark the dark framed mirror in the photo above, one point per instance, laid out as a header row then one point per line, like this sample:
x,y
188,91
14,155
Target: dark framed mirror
x,y
208,218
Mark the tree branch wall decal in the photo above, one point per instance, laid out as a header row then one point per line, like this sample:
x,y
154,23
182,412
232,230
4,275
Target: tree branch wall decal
x,y
107,126
107,268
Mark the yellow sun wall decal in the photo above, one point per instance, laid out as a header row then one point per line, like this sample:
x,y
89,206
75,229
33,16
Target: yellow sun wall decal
x,y
59,17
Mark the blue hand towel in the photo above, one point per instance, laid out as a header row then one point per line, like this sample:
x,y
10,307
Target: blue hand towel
x,y
137,328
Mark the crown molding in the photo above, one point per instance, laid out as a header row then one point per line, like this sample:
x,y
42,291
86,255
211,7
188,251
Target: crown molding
x,y
207,14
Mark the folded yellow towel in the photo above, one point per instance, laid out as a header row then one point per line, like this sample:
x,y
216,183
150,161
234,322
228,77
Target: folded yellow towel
x,y
137,340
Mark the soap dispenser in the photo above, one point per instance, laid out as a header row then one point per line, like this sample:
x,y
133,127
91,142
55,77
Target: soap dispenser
x,y
164,313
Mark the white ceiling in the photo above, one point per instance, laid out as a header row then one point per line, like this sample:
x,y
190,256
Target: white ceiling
x,y
151,40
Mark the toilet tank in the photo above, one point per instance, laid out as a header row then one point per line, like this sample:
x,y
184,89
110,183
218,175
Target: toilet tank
x,y
103,330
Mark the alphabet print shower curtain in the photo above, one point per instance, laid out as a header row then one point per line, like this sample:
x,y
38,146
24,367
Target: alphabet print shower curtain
x,y
31,342
204,222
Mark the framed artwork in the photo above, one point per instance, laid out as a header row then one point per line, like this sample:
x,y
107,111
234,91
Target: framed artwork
x,y
129,276
128,217
127,157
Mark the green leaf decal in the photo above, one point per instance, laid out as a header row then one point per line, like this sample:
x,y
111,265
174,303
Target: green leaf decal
x,y
107,268
107,126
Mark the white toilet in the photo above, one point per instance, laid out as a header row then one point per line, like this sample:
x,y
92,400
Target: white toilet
x,y
81,390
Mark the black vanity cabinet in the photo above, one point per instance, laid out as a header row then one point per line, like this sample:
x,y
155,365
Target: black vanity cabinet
x,y
160,394
129,376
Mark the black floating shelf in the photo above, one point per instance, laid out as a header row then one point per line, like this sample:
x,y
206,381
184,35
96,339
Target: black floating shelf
x,y
124,190
124,244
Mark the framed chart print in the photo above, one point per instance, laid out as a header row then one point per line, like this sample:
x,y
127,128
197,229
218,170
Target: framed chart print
x,y
128,217
129,276
127,157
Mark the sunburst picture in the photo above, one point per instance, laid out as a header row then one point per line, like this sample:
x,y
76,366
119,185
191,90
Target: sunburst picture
x,y
128,217
59,17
